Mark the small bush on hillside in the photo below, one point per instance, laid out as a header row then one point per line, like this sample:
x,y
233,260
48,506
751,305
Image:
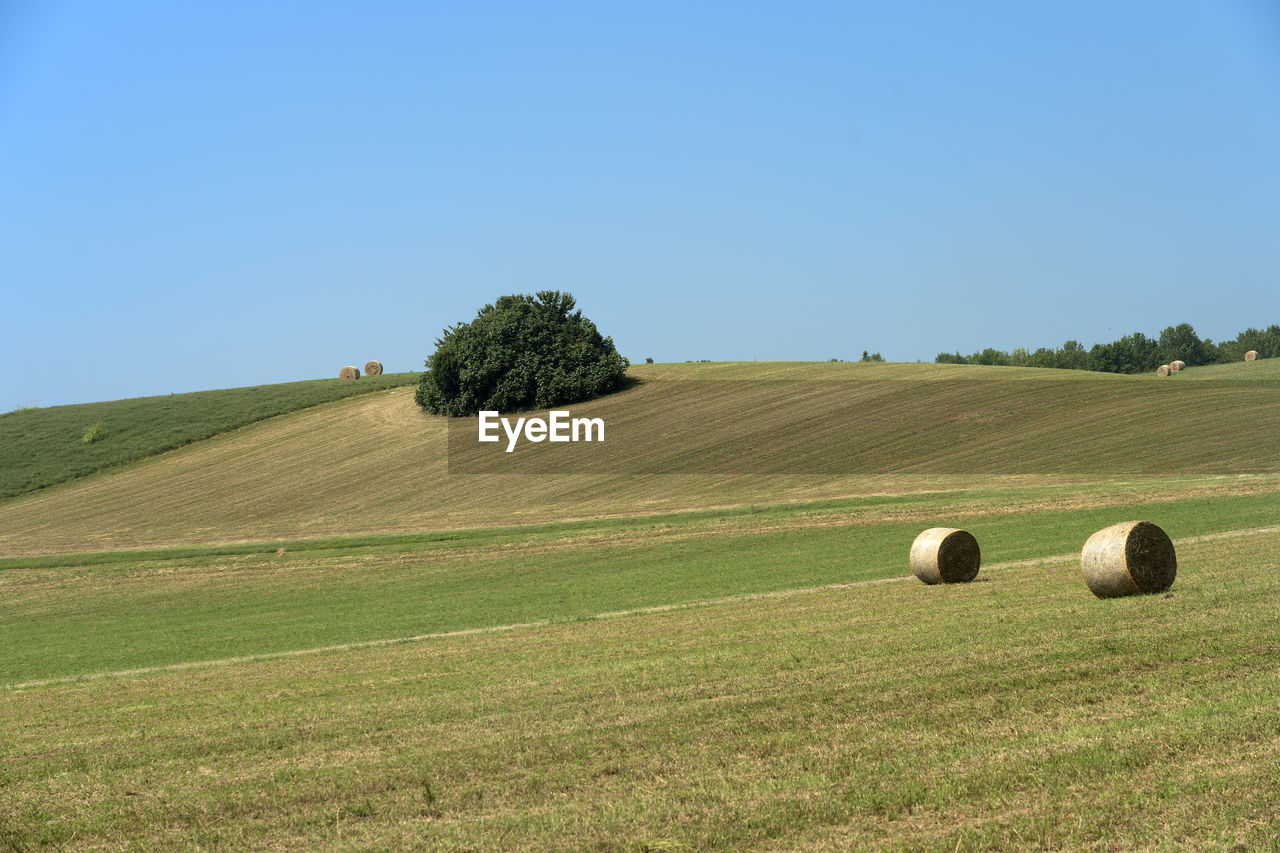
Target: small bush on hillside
x,y
97,432
520,352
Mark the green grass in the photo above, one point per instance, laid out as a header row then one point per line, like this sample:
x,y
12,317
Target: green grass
x,y
1263,370
83,615
1014,712
40,447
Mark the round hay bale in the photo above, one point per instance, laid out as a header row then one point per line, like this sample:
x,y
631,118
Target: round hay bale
x,y
372,368
945,555
1251,355
1175,366
1129,558
1163,370
348,372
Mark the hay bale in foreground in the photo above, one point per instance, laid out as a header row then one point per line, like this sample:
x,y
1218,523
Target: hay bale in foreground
x,y
1251,355
1163,370
1175,366
372,368
348,372
1129,558
945,555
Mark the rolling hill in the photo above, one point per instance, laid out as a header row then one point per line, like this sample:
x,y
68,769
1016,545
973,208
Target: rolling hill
x,y
41,447
684,437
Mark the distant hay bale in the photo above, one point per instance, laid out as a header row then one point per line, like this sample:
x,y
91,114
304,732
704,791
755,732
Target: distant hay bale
x,y
1129,558
1163,370
1175,366
945,555
372,368
348,372
1251,355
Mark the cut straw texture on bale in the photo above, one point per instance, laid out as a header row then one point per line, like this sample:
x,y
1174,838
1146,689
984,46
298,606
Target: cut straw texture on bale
x,y
945,555
1175,366
1129,558
373,368
349,372
1162,370
1251,355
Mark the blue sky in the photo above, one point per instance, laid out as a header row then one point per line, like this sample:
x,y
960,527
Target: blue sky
x,y
208,195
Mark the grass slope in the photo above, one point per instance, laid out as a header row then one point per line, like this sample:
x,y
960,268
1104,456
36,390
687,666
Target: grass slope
x,y
161,609
41,447
686,437
1264,370
1014,712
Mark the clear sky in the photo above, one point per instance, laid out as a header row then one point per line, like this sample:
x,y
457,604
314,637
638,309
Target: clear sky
x,y
209,195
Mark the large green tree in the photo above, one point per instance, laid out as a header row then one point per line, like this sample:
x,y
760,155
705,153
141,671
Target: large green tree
x,y
520,352
1181,342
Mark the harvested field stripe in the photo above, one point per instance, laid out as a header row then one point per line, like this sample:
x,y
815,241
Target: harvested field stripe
x,y
612,614
489,629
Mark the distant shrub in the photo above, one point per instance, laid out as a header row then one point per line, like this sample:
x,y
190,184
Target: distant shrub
x,y
649,360
875,356
1266,343
991,356
1134,353
521,352
1042,357
97,432
1071,356
1181,343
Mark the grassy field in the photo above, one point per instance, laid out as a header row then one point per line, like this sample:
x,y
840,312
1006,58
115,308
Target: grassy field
x,y
771,680
682,661
1264,370
40,447
162,608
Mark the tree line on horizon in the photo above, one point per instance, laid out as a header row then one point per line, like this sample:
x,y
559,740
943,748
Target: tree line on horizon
x,y
1134,353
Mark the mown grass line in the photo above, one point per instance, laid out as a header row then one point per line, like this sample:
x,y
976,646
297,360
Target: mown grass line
x,y
1019,714
612,614
329,544
41,447
63,622
955,503
466,632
